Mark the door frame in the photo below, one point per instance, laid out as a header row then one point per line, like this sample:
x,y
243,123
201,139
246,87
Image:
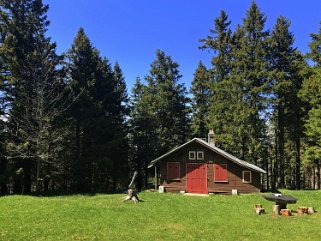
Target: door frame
x,y
196,163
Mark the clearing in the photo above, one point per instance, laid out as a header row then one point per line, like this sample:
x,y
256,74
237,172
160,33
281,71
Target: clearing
x,y
159,217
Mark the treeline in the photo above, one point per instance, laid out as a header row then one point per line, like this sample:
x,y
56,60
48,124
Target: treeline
x,y
262,98
67,123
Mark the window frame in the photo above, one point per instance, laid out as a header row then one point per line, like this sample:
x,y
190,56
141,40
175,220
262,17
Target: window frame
x,y
189,155
179,171
220,164
244,181
201,158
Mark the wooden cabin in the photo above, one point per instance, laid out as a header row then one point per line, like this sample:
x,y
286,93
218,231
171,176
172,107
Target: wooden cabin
x,y
199,166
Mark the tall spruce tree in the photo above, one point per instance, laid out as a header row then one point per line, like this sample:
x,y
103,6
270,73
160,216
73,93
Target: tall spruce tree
x,y
98,115
83,64
285,84
200,90
249,66
31,66
219,43
226,96
311,94
119,141
170,102
143,136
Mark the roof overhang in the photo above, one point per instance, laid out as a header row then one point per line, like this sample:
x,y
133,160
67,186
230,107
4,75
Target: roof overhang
x,y
216,150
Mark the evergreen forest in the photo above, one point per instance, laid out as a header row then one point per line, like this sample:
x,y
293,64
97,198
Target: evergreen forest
x,y
69,124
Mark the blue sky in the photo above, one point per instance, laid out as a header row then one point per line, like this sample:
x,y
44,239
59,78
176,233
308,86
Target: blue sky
x,y
130,31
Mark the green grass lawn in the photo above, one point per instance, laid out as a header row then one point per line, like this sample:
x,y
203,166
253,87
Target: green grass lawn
x,y
159,217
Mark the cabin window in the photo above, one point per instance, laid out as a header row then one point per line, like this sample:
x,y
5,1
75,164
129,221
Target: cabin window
x,y
247,177
173,170
220,173
191,155
200,155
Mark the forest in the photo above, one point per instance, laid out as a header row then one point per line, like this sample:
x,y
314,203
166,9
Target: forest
x,y
68,123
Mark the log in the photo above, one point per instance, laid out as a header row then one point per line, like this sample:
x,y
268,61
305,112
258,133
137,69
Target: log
x,y
286,212
302,210
311,210
276,209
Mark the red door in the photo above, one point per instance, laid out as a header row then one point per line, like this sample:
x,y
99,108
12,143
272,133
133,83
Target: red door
x,y
196,178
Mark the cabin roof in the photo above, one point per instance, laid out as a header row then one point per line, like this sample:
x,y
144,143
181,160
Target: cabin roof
x,y
213,148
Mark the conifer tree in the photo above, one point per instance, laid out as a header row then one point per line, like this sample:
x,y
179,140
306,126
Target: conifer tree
x,y
200,102
98,113
226,96
315,48
83,62
282,56
143,137
170,102
285,83
249,66
311,94
119,141
31,66
219,43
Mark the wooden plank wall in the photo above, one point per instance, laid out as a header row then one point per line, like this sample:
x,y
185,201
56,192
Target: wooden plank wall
x,y
234,172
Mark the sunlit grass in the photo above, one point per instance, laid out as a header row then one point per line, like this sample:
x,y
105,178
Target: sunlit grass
x,y
159,217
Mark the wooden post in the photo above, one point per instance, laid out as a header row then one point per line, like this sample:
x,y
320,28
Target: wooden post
x,y
155,177
276,209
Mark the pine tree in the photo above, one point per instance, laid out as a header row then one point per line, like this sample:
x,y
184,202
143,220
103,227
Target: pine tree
x,y
200,103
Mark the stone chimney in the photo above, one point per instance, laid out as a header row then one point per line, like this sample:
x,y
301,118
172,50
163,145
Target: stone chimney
x,y
211,137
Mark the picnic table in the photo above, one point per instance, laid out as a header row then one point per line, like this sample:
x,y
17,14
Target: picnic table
x,y
281,200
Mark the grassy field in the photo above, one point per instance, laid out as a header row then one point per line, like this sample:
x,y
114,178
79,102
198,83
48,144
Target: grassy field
x,y
159,217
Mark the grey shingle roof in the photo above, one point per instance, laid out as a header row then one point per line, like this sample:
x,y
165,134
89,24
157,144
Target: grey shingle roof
x,y
215,149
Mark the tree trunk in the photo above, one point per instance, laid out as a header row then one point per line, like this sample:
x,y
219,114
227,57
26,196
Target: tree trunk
x,y
27,176
280,148
267,171
298,164
317,175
